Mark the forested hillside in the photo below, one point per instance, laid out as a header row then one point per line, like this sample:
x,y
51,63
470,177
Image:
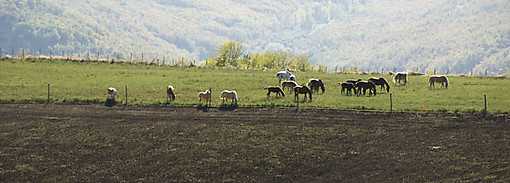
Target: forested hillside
x,y
448,35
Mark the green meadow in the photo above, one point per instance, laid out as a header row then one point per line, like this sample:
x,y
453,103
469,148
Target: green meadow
x,y
87,82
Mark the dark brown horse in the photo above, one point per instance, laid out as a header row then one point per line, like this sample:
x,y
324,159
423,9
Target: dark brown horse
x,y
366,85
274,89
302,90
170,92
314,84
349,87
381,81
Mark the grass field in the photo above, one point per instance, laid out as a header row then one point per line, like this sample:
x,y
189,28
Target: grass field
x,y
26,81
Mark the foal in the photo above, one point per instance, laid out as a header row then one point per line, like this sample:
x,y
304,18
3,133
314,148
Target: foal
x,y
274,89
349,87
205,96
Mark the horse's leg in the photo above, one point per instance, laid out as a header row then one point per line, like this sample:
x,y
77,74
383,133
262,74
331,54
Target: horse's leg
x,y
268,93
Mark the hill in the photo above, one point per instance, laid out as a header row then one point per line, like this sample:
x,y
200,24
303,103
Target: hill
x,y
450,36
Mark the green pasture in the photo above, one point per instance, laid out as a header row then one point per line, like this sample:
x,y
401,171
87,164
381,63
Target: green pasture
x,y
26,81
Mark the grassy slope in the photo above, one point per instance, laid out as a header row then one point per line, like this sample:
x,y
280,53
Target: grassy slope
x,y
75,81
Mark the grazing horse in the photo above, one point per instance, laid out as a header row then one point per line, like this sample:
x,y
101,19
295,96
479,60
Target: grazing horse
x,y
381,81
314,84
349,87
170,92
205,96
283,75
274,89
287,84
302,90
400,76
111,93
225,95
438,79
366,85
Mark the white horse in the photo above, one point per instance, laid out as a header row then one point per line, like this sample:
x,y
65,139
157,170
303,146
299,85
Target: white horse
x,y
292,77
205,96
283,75
400,76
111,93
232,95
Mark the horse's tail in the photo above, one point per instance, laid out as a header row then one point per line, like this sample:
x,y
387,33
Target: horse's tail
x,y
394,81
405,78
387,84
446,80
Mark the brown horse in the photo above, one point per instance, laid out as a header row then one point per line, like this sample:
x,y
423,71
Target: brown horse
x,y
314,84
170,92
274,89
381,81
289,84
400,76
302,90
349,87
438,79
366,85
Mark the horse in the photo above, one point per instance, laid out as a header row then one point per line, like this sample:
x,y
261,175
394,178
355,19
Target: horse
x,y
225,95
170,92
438,79
274,89
283,75
347,86
302,90
381,81
205,96
292,77
353,81
290,84
366,85
399,76
314,84
111,93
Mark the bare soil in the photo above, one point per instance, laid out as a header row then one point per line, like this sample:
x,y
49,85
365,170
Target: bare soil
x,y
94,143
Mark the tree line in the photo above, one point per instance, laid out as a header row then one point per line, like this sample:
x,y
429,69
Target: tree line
x,y
233,54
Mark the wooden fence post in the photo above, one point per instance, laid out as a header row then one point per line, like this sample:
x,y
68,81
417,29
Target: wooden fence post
x,y
48,93
391,103
485,105
126,96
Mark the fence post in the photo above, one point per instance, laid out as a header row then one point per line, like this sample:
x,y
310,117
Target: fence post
x,y
22,53
13,52
48,93
0,52
97,58
50,53
486,72
485,104
391,103
126,96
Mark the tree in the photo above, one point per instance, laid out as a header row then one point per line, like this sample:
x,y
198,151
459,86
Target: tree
x,y
229,53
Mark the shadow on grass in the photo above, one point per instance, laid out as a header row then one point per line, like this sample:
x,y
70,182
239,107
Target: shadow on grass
x,y
225,107
110,102
203,108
